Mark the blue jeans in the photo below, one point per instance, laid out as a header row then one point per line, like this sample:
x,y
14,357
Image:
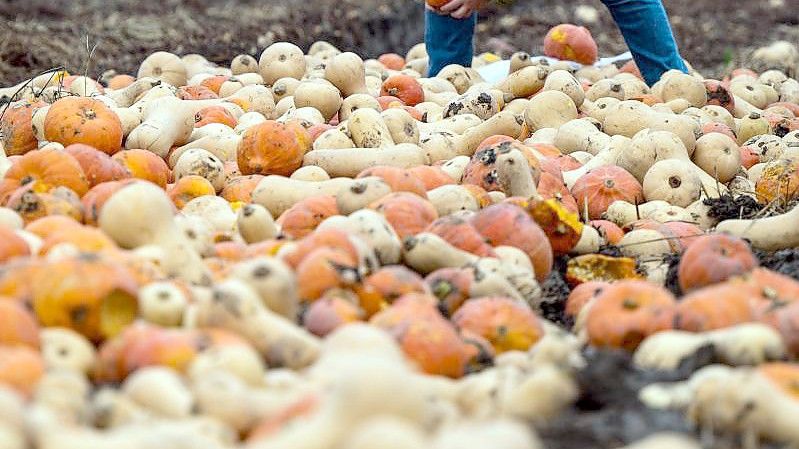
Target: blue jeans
x,y
643,23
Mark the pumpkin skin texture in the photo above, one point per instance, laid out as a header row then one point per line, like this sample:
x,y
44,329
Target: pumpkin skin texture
x,y
239,188
97,166
32,205
552,188
407,213
714,307
432,177
83,120
84,238
572,43
323,270
20,368
782,316
47,169
424,335
482,171
272,148
451,286
714,258
196,93
214,114
324,238
328,314
719,95
97,196
609,230
404,87
188,188
627,312
146,165
779,181
16,131
582,295
386,285
460,233
302,218
392,61
399,179
92,296
12,245
507,324
509,225
17,326
602,186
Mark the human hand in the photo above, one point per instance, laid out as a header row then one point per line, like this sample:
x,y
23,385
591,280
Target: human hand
x,y
460,9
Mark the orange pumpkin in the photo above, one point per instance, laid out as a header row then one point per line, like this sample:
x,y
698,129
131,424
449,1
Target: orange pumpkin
x,y
214,83
389,101
431,176
749,156
404,87
16,279
84,238
425,336
325,269
562,227
97,166
303,217
451,286
214,114
97,196
784,376
481,169
610,231
550,187
407,213
230,251
48,169
272,148
507,324
89,294
240,188
721,128
325,238
317,130
386,285
20,368
782,316
582,295
146,165
626,312
778,182
16,131
196,93
18,327
392,61
83,120
509,225
572,43
12,245
714,258
329,313
120,81
32,205
771,286
600,187
46,226
188,188
714,307
599,267
460,233
399,179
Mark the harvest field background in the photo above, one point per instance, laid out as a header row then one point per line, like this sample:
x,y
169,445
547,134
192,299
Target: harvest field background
x,y
41,34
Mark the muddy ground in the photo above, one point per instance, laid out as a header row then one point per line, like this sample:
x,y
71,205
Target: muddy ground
x,y
40,34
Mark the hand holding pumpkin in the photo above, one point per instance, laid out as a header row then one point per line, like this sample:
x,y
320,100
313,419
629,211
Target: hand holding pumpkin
x,y
458,9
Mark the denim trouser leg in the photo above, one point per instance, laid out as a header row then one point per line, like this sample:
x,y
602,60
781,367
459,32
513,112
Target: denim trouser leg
x,y
448,40
645,27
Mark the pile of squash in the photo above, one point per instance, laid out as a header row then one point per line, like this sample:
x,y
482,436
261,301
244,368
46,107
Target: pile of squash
x,y
313,251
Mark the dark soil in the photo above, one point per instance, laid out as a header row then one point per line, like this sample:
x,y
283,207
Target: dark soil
x,y
785,261
41,34
555,292
726,207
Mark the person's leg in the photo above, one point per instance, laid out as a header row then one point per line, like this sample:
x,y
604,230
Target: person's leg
x,y
645,27
448,40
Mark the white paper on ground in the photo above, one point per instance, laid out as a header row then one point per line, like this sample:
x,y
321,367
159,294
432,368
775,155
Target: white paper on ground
x,y
497,71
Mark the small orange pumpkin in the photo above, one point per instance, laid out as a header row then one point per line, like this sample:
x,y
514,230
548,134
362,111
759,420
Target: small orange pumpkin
x,y
214,114
386,285
83,120
18,327
188,188
572,43
407,213
507,324
303,217
97,166
97,196
626,312
46,226
120,81
240,188
778,182
16,132
714,258
460,233
399,179
582,295
600,187
481,169
392,61
146,165
12,245
404,87
272,148
715,307
197,92
48,169
451,286
325,269
20,368
432,177
611,232
329,313
31,205
85,238
325,238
